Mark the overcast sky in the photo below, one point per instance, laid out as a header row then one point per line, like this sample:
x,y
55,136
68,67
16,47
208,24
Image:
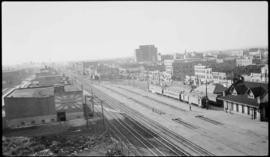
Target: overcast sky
x,y
59,31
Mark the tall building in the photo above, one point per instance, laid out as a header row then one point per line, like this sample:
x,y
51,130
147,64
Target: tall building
x,y
146,53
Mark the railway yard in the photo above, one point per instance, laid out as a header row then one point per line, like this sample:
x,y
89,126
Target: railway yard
x,y
148,124
158,125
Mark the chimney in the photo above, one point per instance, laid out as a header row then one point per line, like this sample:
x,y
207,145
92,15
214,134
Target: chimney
x,y
258,100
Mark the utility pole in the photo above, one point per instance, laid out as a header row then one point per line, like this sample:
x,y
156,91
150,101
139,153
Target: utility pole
x,y
101,101
158,78
206,100
92,103
85,111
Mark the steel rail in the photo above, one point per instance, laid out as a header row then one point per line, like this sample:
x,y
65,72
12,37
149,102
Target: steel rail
x,y
187,143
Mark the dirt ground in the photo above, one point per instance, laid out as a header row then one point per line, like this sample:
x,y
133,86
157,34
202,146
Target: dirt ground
x,y
69,138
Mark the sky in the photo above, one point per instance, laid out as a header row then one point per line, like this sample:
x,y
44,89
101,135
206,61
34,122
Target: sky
x,y
66,31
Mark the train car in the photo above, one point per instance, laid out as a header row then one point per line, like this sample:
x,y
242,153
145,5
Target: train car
x,y
184,96
156,89
172,92
194,99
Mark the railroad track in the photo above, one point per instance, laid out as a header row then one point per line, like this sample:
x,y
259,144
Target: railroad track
x,y
209,120
149,133
198,116
139,135
127,129
195,149
158,101
143,104
122,137
188,125
163,132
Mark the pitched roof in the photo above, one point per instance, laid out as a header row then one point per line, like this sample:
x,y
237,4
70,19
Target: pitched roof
x,y
258,89
242,99
219,88
257,84
240,88
211,88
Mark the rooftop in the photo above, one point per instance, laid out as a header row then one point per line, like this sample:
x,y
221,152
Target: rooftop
x,y
71,88
243,99
32,92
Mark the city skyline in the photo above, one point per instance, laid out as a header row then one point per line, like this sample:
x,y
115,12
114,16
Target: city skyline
x,y
65,31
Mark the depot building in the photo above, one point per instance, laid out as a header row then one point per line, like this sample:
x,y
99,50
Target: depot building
x,y
41,105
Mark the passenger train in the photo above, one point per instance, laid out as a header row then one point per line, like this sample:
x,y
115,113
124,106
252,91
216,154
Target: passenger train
x,y
198,100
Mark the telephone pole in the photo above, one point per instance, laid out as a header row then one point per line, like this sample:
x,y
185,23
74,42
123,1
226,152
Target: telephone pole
x,y
101,103
206,99
85,111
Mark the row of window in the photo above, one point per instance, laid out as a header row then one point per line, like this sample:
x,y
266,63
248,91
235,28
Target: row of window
x,y
243,108
34,122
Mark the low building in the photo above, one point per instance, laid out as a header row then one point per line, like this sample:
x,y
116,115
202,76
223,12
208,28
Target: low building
x,y
219,60
167,57
41,105
258,77
253,77
244,61
214,90
247,98
48,80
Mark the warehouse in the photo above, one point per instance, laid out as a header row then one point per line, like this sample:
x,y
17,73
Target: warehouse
x,y
41,105
30,106
49,80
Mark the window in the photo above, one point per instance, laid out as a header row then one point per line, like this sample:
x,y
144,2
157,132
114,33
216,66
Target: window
x,y
234,92
250,94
